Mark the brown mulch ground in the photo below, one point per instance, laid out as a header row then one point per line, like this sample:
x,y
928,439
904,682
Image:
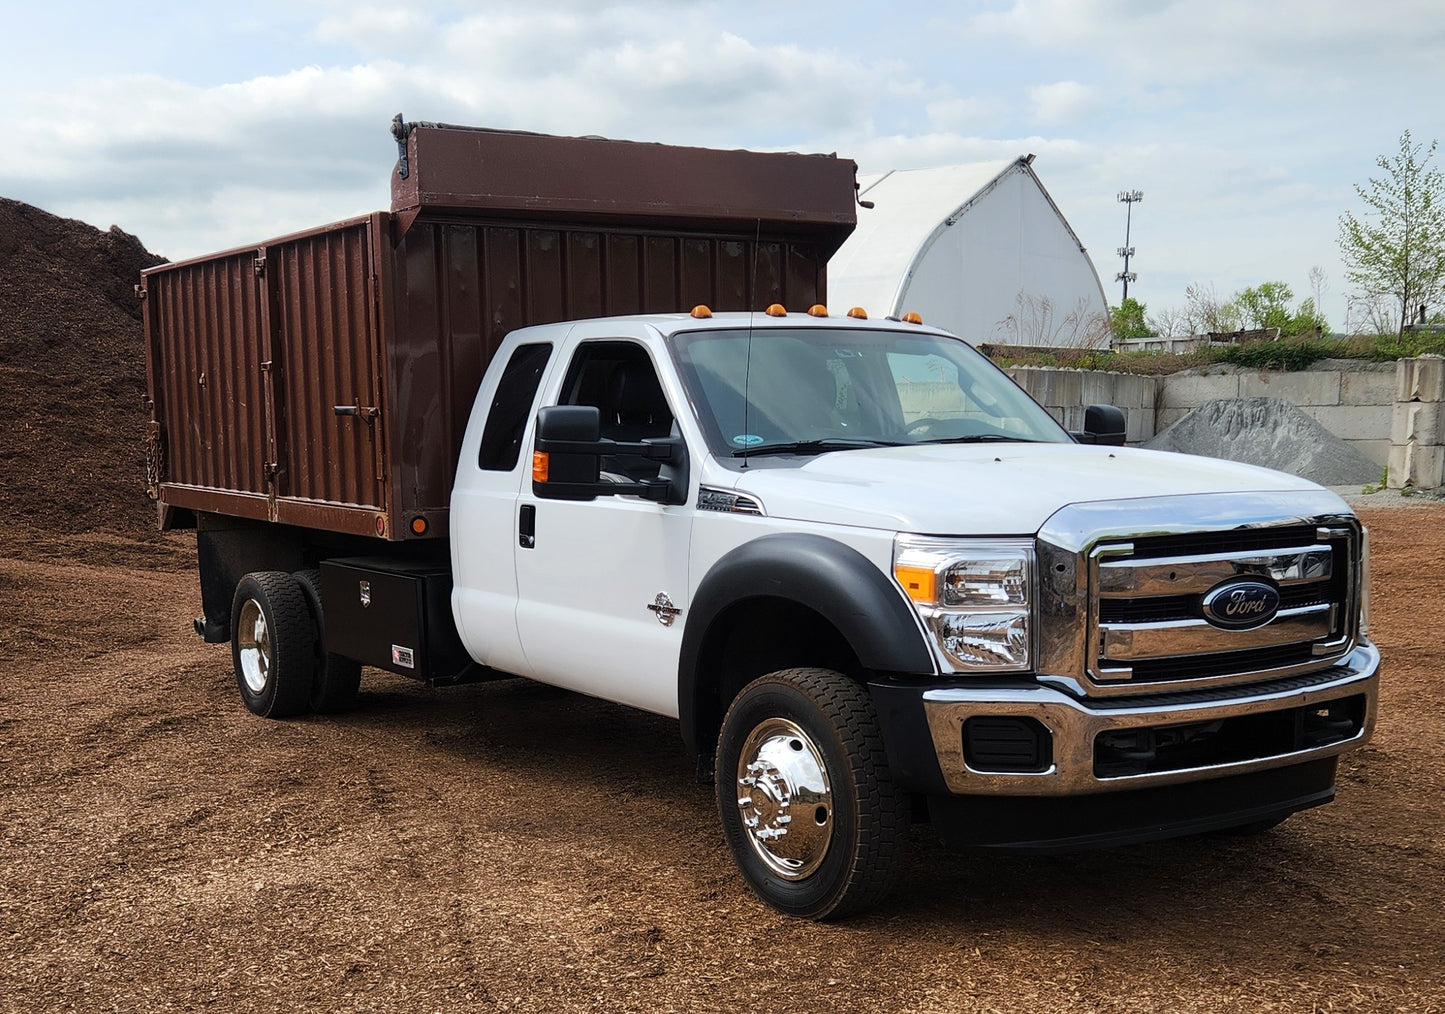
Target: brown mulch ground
x,y
508,846
512,847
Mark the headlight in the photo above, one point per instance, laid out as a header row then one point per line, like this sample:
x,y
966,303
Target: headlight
x,y
974,597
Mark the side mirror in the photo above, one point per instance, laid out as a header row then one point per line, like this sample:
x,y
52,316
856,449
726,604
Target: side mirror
x,y
1103,424
566,459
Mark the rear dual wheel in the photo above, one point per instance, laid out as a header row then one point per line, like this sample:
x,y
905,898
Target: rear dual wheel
x,y
273,644
278,648
806,801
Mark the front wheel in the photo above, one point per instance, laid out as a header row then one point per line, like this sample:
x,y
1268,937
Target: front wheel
x,y
273,644
806,800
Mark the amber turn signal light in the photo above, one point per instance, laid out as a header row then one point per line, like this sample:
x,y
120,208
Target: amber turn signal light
x,y
539,466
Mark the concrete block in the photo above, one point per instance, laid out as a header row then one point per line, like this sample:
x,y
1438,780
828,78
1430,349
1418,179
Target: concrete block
x,y
1377,451
1421,379
1301,389
1354,422
1166,417
1134,392
1190,390
1367,387
1421,422
1098,388
1415,465
1138,425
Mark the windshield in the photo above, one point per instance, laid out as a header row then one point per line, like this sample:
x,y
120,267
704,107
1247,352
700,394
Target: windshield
x,y
811,390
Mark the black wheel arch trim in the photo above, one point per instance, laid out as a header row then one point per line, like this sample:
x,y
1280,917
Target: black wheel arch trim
x,y
830,578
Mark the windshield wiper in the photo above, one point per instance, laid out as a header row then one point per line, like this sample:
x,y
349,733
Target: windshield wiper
x,y
981,438
814,446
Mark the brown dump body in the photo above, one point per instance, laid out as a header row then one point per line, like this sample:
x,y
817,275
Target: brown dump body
x,y
325,379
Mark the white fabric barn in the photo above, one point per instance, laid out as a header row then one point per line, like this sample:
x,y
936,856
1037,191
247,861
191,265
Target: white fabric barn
x,y
980,250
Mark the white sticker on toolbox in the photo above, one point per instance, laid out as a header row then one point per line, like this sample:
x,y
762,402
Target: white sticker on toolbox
x,y
404,657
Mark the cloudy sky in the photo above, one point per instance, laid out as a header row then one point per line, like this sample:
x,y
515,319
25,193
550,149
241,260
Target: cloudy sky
x,y
1246,123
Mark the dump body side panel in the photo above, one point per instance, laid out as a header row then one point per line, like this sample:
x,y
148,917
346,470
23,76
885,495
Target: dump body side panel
x,y
324,379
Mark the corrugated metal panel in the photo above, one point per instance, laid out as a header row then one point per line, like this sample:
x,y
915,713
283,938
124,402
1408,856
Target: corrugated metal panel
x,y
207,338
320,286
462,287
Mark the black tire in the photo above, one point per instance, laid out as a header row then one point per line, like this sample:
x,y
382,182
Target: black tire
x,y
846,857
336,683
273,644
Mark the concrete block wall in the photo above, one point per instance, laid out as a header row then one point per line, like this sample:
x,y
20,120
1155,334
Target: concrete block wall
x,y
1065,393
1417,432
1354,400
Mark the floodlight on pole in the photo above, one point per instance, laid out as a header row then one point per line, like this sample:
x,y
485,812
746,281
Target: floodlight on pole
x,y
1128,198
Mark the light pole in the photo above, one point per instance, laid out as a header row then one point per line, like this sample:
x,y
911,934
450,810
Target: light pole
x,y
1128,198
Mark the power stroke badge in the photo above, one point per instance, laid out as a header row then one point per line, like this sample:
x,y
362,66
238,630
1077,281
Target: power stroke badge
x,y
1241,605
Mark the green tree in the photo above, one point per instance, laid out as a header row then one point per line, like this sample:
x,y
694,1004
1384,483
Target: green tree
x,y
1127,320
1396,254
1265,305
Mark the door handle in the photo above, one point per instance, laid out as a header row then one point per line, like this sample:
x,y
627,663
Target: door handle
x,y
527,526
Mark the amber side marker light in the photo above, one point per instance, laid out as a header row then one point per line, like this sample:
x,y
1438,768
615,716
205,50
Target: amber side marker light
x,y
540,462
858,313
701,312
777,310
912,318
918,582
418,526
817,310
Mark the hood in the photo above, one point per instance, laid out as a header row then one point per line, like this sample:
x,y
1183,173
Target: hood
x,y
985,489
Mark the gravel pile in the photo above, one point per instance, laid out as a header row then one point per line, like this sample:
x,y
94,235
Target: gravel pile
x,y
1270,432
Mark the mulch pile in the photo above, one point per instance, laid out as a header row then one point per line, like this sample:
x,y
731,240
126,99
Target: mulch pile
x,y
72,375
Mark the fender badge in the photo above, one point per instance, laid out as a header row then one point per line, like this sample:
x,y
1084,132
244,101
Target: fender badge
x,y
663,608
1241,605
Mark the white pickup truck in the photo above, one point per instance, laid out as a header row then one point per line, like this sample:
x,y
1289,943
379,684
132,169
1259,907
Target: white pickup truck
x,y
862,568
873,581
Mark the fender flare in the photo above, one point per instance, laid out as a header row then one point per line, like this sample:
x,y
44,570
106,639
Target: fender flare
x,y
830,578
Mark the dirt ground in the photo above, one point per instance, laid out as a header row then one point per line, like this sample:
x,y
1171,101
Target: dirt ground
x,y
511,847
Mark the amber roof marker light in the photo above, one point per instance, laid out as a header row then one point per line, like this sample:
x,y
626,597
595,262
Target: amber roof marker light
x,y
817,310
777,310
701,311
858,313
912,318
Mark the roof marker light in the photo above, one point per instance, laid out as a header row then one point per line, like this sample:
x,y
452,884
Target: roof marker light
x,y
817,310
859,313
701,312
912,318
777,310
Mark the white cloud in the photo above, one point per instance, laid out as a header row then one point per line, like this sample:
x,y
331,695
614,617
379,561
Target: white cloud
x,y
1174,40
1062,102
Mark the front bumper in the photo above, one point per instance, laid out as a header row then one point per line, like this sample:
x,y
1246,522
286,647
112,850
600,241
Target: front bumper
x,y
1206,734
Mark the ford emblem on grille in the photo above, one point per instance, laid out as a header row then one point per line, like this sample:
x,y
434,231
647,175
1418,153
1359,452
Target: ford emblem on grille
x,y
1241,605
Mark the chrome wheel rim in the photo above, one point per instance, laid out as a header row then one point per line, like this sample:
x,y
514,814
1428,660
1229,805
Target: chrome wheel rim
x,y
784,799
253,641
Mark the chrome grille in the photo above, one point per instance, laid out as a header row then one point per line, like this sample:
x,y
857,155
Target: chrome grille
x,y
1137,593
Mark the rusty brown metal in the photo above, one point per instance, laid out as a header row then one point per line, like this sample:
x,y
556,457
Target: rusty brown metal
x,y
599,180
324,379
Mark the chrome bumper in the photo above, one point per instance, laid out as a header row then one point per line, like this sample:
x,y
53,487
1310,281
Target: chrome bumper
x,y
1075,723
